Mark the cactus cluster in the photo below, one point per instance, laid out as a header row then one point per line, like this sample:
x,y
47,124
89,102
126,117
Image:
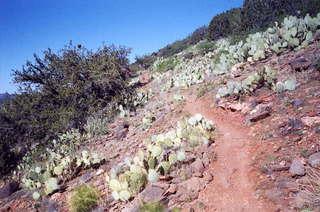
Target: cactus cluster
x,y
163,153
58,165
136,100
292,33
265,77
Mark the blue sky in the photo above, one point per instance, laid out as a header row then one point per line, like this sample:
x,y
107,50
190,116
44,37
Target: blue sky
x,y
31,26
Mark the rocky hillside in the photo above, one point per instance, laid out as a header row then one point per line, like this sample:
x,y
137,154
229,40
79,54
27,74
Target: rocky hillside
x,y
234,129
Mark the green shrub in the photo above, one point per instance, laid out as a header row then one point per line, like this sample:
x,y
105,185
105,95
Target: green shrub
x,y
257,15
225,24
59,91
96,125
166,65
84,198
206,46
152,207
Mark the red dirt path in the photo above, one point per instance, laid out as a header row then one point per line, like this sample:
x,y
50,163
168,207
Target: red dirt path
x,y
233,187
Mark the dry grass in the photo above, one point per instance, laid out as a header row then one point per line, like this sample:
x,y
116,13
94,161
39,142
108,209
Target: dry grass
x,y
310,189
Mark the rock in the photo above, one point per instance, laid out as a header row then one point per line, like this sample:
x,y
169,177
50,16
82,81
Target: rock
x,y
121,134
131,208
279,168
53,207
274,194
314,159
293,125
287,183
300,64
99,172
99,209
297,103
172,189
260,112
316,35
145,78
300,200
310,121
297,168
8,189
151,194
193,184
208,177
86,177
197,166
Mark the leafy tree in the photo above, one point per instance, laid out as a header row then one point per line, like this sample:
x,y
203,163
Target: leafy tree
x,y
58,91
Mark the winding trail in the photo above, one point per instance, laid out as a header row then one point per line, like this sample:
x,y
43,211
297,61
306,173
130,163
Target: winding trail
x,y
233,187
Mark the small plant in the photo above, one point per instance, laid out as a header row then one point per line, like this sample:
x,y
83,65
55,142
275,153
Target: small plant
x,y
84,198
152,207
96,125
166,65
206,46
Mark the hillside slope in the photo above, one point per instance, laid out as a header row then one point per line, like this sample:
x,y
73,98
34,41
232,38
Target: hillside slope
x,y
235,129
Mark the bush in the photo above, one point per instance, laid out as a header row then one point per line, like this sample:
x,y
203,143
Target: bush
x,y
59,91
225,24
145,61
166,65
96,125
84,198
257,15
206,46
152,207
180,45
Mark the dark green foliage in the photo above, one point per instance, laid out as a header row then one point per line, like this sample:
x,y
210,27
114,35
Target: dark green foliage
x,y
59,91
180,45
257,15
225,24
145,61
84,198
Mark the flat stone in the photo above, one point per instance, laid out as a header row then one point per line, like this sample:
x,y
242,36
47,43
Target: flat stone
x,y
151,194
314,159
86,177
260,112
297,168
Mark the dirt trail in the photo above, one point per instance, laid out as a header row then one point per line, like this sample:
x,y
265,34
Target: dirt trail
x,y
232,189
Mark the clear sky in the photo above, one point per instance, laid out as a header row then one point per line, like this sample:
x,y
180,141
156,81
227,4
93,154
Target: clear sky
x,y
31,26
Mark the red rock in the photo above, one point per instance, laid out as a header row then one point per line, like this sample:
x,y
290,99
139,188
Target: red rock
x,y
145,78
311,121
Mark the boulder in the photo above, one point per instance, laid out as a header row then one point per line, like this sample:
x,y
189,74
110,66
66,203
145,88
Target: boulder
x,y
151,194
197,167
297,168
8,189
300,64
316,36
145,78
260,112
314,159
